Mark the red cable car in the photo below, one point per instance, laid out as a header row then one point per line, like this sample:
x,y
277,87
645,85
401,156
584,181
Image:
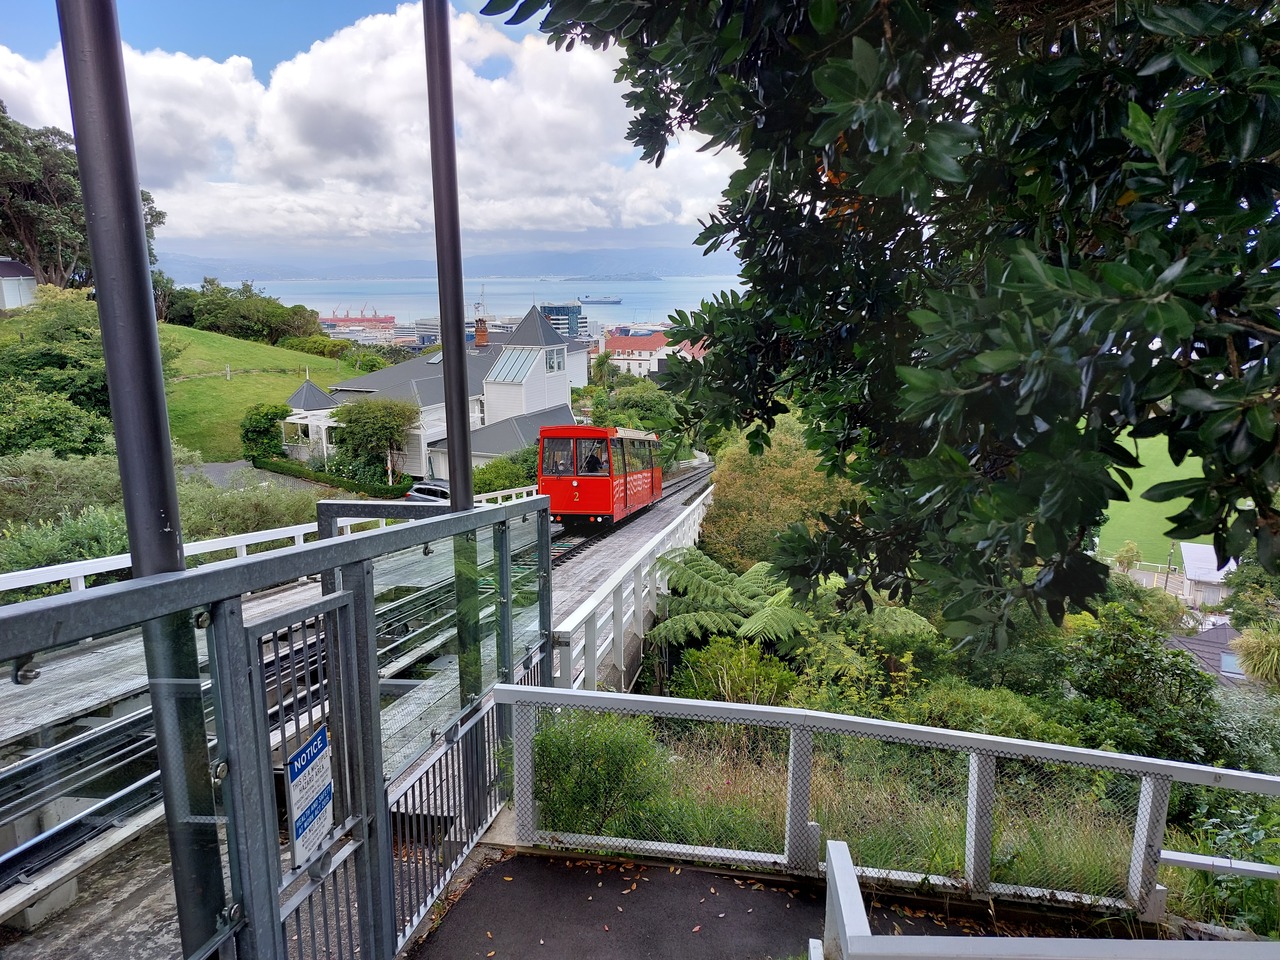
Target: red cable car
x,y
597,475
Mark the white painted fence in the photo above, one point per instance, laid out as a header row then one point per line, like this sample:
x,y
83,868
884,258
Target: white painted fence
x,y
586,638
77,571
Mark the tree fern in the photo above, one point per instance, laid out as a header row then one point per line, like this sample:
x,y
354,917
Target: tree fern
x,y
775,625
679,630
704,581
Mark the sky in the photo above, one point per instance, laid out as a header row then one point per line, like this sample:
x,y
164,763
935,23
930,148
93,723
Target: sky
x,y
288,129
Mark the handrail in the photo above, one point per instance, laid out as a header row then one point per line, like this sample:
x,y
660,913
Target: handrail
x,y
76,570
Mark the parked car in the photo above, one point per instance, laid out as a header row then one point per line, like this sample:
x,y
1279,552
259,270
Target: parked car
x,y
429,491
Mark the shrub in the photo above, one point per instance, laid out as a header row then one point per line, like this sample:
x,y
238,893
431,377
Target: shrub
x,y
291,468
955,705
209,511
593,770
260,430
90,533
519,469
733,671
319,346
898,631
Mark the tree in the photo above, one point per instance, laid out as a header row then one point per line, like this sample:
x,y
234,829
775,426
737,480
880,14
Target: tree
x,y
983,244
1128,556
1259,651
60,349
42,220
1254,600
603,371
32,420
244,313
758,496
260,431
373,429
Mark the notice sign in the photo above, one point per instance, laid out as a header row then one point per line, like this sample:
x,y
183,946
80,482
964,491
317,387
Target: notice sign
x,y
310,797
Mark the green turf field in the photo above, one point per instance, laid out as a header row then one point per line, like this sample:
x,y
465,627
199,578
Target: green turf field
x,y
1140,520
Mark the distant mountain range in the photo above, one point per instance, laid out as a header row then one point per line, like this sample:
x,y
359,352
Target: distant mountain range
x,y
652,262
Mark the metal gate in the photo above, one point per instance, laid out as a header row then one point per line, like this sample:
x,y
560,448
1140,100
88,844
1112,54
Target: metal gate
x,y
297,688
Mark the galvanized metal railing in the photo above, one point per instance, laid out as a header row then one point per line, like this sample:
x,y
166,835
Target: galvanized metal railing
x,y
304,676
74,573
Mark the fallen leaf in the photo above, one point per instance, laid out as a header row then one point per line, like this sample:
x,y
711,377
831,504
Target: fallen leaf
x,y
491,953
541,942
600,884
625,892
721,915
697,928
606,928
489,934
703,900
749,909
713,889
588,898
508,879
677,871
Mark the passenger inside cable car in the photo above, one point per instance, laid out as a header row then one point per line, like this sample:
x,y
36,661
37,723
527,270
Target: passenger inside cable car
x,y
593,462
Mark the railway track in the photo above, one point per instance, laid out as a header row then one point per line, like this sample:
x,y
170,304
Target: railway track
x,y
110,766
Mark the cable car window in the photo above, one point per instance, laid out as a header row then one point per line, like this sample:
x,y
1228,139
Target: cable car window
x,y
619,461
593,458
557,456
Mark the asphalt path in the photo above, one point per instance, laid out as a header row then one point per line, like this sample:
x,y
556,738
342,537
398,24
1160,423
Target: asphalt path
x,y
561,907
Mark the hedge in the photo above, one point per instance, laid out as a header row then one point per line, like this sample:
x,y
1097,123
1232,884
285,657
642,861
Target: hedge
x,y
291,468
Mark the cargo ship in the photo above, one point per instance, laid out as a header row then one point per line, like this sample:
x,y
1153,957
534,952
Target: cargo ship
x,y
589,299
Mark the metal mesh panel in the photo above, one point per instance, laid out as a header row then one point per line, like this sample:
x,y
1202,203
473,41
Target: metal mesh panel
x,y
439,813
1060,827
899,806
1208,823
706,790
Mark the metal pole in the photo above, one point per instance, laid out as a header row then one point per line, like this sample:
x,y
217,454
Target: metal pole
x,y
126,309
444,189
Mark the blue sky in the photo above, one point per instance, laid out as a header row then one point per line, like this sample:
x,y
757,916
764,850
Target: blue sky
x,y
318,146
266,31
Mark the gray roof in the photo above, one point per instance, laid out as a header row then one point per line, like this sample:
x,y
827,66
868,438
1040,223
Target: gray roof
x,y
419,380
12,268
515,433
1200,561
534,331
1207,647
310,397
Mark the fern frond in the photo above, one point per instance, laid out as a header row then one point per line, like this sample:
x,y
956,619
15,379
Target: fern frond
x,y
679,630
692,580
762,579
776,625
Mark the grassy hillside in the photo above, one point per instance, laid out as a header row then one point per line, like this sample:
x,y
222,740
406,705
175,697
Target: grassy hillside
x,y
1140,520
205,408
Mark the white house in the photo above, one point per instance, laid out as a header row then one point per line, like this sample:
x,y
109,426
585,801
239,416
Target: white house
x,y
17,284
525,375
1202,580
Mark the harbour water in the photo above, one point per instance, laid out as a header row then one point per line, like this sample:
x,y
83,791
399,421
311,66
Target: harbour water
x,y
643,301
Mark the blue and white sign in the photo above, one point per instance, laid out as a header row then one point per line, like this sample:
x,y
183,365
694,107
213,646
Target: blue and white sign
x,y
310,797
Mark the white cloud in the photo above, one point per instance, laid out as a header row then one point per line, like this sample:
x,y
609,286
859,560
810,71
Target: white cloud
x,y
334,146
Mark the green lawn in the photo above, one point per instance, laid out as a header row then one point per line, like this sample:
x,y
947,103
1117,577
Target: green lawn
x,y
1140,520
205,408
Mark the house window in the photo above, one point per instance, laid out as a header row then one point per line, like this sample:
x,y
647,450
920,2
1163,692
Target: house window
x,y
555,360
1231,665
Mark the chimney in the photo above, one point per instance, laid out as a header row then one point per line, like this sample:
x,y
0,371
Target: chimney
x,y
482,332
